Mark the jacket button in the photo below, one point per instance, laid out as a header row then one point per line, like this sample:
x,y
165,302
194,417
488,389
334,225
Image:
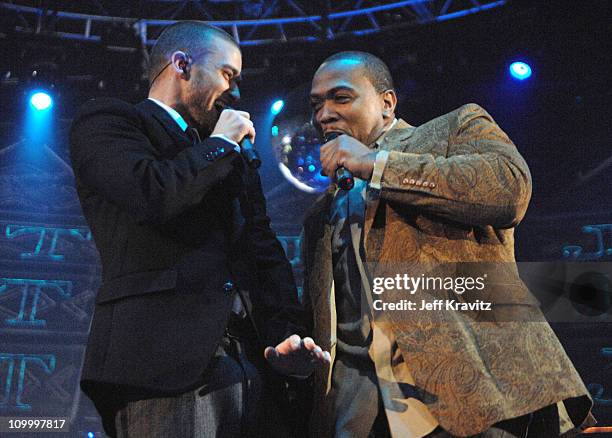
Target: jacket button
x,y
425,184
432,185
412,181
228,286
418,183
405,181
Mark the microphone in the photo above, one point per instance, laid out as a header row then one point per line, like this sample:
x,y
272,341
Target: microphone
x,y
344,178
249,153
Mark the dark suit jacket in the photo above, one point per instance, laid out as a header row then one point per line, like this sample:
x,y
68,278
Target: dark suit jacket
x,y
161,213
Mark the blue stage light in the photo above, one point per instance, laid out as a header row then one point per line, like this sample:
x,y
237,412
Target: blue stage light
x,y
41,101
312,168
274,131
520,70
90,435
277,106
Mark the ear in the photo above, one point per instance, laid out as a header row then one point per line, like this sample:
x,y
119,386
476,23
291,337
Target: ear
x,y
389,101
180,62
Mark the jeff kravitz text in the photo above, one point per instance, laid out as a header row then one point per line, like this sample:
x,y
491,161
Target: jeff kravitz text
x,y
410,285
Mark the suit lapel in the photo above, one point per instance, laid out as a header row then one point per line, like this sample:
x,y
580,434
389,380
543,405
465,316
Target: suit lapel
x,y
323,298
174,131
317,252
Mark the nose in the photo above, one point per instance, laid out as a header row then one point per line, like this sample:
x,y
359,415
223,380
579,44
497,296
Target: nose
x,y
234,92
326,115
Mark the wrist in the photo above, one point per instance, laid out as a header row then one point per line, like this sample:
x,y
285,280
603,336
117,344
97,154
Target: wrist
x,y
227,139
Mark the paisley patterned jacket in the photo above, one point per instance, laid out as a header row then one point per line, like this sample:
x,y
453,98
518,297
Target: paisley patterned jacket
x,y
452,191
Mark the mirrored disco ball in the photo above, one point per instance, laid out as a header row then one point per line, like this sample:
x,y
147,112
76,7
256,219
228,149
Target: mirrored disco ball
x,y
296,146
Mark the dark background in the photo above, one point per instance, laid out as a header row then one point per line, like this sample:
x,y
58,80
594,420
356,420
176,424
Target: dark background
x,y
559,119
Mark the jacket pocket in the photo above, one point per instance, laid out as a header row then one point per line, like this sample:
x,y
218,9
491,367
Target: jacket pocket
x,y
136,283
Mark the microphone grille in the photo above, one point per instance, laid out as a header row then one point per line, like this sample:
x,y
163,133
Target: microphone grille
x,y
331,135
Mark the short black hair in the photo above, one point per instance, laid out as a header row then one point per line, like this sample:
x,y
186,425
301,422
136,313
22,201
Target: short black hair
x,y
188,36
375,69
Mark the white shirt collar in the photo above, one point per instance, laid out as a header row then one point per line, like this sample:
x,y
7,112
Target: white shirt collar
x,y
175,116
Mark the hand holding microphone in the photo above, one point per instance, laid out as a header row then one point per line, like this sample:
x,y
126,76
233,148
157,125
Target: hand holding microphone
x,y
237,126
346,158
344,178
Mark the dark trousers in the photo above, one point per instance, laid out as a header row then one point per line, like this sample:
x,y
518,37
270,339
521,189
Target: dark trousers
x,y
226,405
357,405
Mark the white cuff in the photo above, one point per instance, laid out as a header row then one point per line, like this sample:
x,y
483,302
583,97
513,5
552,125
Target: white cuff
x,y
379,167
227,139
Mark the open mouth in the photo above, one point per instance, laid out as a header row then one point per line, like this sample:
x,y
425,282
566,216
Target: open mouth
x,y
335,130
220,105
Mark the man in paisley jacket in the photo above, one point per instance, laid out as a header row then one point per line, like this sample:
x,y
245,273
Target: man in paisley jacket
x,y
438,200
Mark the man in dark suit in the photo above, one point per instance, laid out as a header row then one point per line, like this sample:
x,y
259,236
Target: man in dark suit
x,y
195,283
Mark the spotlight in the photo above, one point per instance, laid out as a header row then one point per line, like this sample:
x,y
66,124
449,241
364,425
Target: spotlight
x,y
274,131
277,106
520,70
41,101
90,435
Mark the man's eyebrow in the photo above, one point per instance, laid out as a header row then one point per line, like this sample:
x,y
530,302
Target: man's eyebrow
x,y
332,91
